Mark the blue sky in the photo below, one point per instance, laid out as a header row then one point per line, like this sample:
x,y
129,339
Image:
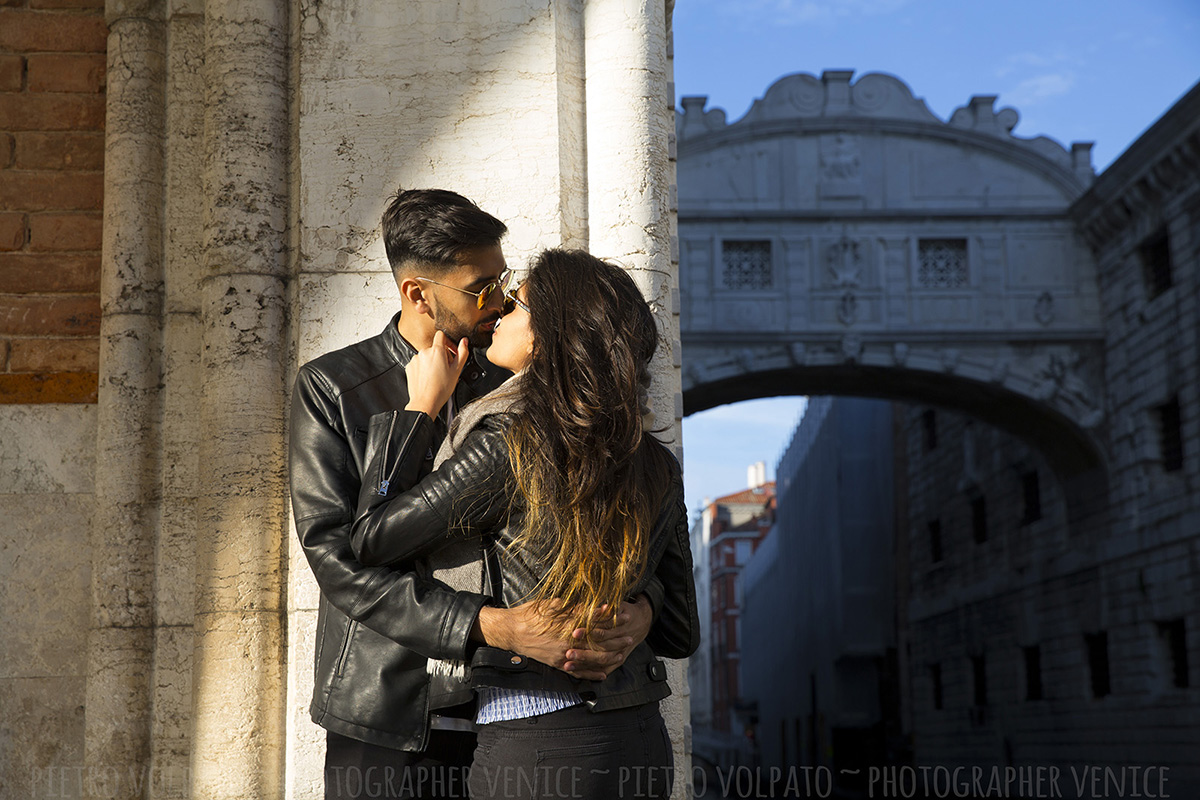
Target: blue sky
x,y
1075,70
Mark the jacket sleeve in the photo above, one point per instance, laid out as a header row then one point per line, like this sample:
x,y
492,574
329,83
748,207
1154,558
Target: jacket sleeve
x,y
676,629
464,497
416,612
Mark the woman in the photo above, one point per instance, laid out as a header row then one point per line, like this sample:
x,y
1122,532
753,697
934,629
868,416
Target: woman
x,y
550,487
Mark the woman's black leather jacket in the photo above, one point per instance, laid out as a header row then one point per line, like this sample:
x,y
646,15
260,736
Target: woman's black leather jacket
x,y
468,496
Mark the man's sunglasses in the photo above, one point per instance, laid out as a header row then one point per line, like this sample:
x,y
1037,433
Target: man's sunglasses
x,y
484,294
511,302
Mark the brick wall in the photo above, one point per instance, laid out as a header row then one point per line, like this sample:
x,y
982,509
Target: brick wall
x,y
52,70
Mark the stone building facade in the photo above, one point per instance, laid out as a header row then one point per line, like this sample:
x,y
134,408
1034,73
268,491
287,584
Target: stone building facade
x,y
819,658
158,620
1035,640
1044,325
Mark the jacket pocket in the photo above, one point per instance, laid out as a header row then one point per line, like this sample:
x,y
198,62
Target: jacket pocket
x,y
340,666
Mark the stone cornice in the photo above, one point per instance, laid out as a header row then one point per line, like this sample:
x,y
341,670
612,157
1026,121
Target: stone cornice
x,y
1164,161
801,104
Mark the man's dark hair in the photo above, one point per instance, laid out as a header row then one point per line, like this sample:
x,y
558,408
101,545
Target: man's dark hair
x,y
431,227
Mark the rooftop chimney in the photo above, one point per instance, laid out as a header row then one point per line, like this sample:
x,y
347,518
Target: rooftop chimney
x,y
756,474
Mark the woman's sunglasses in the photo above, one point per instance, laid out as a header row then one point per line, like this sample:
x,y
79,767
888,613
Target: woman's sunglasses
x,y
511,302
484,294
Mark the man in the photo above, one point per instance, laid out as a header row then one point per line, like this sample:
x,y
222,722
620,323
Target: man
x,y
376,628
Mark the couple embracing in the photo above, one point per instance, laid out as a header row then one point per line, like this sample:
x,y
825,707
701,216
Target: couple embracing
x,y
500,540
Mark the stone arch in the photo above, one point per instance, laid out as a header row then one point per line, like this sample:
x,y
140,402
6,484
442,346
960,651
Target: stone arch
x,y
842,239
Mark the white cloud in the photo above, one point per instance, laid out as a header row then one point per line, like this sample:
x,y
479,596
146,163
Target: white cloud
x,y
1040,88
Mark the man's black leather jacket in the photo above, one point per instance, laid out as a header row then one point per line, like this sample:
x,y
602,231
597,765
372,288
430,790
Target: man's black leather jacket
x,y
468,496
375,627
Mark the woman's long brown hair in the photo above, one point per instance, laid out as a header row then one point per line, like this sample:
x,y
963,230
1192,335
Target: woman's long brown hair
x,y
590,477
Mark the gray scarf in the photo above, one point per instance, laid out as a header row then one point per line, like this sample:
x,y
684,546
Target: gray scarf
x,y
459,565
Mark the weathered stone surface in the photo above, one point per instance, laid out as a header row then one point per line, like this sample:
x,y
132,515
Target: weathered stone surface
x,y
45,716
44,569
47,449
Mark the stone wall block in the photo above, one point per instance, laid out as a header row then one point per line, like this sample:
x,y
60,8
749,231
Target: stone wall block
x,y
243,560
172,722
243,392
118,698
181,472
238,731
41,722
44,570
34,462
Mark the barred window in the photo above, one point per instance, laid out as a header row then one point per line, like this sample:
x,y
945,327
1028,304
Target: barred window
x,y
1155,255
942,263
747,264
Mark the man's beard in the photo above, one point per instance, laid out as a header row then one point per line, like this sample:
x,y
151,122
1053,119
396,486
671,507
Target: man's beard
x,y
455,329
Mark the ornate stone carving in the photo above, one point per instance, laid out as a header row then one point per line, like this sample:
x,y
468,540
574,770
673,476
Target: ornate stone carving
x,y
848,308
841,166
845,263
1058,378
852,347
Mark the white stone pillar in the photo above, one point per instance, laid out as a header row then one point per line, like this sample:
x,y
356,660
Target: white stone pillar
x,y
117,715
237,670
631,179
630,123
175,576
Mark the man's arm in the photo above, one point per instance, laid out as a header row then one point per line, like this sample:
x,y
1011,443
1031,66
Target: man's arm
x,y
418,613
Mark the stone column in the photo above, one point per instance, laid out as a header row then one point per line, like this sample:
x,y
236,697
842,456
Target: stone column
x,y
117,717
237,669
630,122
631,180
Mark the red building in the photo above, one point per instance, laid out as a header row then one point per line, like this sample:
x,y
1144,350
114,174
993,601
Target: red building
x,y
739,522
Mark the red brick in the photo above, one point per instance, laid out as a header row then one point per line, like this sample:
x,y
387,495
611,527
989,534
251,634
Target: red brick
x,y
41,273
66,72
12,73
3,354
77,315
62,387
54,355
7,150
64,232
46,31
66,3
51,112
78,150
12,231
52,191
12,3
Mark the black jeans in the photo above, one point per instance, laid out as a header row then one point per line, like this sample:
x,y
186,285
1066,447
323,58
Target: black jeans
x,y
356,770
574,754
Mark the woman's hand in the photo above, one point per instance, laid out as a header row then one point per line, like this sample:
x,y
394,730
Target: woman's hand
x,y
433,373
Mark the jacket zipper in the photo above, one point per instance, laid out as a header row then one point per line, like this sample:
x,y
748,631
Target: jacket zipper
x,y
382,486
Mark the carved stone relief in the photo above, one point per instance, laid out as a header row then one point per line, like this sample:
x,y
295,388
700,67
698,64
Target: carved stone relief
x,y
841,166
